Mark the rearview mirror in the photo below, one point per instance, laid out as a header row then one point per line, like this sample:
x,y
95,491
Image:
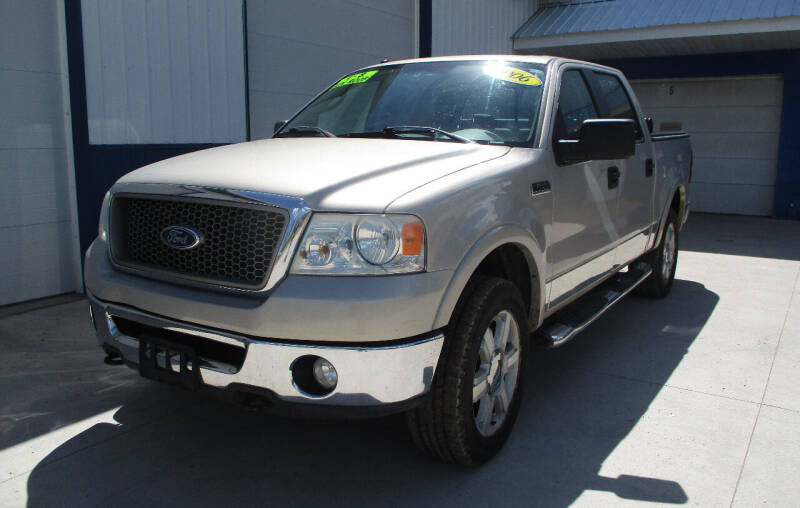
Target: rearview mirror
x,y
279,125
599,139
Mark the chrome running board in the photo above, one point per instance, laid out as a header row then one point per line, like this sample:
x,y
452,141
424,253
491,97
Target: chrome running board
x,y
571,320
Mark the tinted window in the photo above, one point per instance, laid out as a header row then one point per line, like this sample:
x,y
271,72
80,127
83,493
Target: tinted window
x,y
574,106
613,96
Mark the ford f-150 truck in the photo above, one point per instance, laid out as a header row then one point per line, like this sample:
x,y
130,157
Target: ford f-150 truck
x,y
398,245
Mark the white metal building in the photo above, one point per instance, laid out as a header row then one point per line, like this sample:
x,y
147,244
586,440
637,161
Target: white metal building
x,y
93,89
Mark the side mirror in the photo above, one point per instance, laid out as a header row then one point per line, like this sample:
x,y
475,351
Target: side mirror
x,y
279,125
599,139
649,121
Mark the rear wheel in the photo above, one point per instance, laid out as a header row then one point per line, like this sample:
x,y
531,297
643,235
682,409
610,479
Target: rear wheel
x,y
473,403
663,260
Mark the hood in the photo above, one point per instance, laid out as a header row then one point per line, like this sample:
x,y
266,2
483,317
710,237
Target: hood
x,y
333,174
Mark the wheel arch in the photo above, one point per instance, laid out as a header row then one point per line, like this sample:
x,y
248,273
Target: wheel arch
x,y
508,252
677,202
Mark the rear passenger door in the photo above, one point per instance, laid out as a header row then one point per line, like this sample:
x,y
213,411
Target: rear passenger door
x,y
634,215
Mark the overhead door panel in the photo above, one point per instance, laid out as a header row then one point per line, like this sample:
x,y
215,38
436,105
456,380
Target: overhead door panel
x,y
735,126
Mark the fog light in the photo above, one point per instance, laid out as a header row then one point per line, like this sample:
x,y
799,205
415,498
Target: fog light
x,y
325,373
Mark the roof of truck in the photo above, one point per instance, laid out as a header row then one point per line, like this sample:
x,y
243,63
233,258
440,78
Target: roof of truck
x,y
541,59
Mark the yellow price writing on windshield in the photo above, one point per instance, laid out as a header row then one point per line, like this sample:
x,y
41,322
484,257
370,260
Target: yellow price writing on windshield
x,y
516,76
352,79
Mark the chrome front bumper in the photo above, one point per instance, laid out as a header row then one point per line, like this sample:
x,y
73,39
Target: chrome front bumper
x,y
367,375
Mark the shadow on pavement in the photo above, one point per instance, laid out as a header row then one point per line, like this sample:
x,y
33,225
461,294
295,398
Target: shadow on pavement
x,y
742,236
52,374
175,447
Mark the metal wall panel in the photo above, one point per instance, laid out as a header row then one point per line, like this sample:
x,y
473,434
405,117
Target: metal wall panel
x,y
164,72
477,26
296,49
37,250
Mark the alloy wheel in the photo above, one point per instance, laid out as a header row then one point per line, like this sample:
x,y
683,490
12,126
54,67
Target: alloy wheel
x,y
496,373
669,251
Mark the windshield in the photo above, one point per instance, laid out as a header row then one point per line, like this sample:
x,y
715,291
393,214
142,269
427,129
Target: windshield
x,y
489,102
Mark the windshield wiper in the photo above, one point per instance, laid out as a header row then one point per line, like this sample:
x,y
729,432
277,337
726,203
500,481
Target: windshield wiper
x,y
419,129
302,130
398,131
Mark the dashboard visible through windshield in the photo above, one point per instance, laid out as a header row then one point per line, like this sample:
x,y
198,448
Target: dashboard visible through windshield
x,y
490,102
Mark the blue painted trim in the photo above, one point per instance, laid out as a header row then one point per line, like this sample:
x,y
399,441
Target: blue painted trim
x,y
80,121
425,28
97,167
785,62
246,72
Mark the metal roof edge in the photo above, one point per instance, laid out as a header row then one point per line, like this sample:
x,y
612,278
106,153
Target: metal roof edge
x,y
675,31
570,15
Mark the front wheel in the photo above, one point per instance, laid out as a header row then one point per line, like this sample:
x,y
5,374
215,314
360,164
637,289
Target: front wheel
x,y
663,260
474,400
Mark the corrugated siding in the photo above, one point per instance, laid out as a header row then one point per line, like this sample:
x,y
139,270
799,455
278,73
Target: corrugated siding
x,y
578,17
296,49
477,26
37,253
164,71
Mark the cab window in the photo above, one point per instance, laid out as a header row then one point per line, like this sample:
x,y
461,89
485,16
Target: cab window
x,y
574,106
612,96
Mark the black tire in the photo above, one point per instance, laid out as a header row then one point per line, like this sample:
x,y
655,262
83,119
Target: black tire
x,y
659,283
445,425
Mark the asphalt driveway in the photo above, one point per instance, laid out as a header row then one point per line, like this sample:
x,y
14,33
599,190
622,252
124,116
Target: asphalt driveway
x,y
694,399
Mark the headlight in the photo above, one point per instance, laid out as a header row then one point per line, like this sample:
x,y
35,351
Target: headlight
x,y
349,244
377,240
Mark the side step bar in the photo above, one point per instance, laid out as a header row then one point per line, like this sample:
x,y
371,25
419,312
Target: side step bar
x,y
568,322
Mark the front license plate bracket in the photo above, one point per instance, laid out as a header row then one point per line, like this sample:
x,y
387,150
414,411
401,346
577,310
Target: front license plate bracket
x,y
156,362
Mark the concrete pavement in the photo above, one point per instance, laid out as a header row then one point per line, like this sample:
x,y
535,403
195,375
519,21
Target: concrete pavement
x,y
694,399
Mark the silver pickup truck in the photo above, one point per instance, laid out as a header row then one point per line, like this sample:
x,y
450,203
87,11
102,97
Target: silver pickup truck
x,y
398,245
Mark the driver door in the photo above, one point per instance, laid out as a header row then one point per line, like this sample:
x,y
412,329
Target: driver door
x,y
584,201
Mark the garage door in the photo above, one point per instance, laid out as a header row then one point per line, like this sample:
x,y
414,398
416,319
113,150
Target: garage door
x,y
734,124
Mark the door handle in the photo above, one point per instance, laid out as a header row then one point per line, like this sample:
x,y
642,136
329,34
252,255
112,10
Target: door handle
x,y
613,177
538,188
649,166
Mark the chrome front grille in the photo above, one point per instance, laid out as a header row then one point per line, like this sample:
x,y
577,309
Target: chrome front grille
x,y
240,241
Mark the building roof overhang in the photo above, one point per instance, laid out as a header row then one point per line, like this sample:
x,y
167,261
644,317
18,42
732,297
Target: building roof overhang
x,y
640,28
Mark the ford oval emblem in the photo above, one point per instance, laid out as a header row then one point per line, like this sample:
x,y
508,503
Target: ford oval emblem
x,y
181,237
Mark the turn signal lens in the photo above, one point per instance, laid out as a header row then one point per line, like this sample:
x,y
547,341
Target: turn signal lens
x,y
413,238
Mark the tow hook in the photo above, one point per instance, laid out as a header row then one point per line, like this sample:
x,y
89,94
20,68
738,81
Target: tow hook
x,y
113,357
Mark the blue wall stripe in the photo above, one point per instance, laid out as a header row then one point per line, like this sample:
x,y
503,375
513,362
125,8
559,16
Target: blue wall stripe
x,y
425,28
97,167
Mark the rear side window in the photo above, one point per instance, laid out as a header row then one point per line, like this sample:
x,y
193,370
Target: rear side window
x,y
574,106
611,95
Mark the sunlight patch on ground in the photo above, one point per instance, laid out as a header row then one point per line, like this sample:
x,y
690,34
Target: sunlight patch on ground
x,y
22,458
